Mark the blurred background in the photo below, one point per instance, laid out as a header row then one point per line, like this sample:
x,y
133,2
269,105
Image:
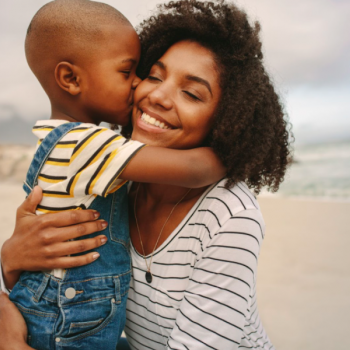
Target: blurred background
x,y
304,276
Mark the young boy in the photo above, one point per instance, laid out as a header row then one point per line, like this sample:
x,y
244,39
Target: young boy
x,y
85,54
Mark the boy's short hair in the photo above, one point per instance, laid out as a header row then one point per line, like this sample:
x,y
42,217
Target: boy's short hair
x,y
65,29
86,13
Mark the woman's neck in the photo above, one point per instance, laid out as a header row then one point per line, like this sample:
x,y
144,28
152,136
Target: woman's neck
x,y
155,194
159,209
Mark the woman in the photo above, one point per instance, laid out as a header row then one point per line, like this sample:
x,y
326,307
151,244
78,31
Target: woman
x,y
194,251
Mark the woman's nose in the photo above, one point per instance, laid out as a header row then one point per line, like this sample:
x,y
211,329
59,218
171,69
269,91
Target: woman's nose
x,y
160,97
136,82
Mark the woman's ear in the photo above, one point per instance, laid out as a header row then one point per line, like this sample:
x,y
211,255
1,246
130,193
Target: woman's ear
x,y
67,78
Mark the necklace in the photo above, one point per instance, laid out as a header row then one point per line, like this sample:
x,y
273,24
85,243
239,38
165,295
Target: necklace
x,y
148,274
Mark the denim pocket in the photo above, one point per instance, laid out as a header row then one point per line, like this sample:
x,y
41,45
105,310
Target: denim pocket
x,y
80,330
81,327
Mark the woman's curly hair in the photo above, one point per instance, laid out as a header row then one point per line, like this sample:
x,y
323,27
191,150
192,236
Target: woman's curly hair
x,y
250,133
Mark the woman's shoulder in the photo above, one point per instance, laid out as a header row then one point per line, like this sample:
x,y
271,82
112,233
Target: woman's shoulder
x,y
229,217
233,208
231,201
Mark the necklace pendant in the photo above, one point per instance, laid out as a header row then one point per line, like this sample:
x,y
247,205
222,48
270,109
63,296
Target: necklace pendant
x,y
148,277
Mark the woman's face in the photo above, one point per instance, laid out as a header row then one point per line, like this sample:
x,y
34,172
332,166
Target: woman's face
x,y
174,106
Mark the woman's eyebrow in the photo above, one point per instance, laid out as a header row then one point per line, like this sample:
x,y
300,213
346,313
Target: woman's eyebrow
x,y
200,81
189,77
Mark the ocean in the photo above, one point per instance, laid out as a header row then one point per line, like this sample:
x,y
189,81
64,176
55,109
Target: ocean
x,y
319,171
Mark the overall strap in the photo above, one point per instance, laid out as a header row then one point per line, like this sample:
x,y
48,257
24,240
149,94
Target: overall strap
x,y
43,152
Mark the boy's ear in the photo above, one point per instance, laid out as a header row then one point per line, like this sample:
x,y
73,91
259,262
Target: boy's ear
x,y
67,78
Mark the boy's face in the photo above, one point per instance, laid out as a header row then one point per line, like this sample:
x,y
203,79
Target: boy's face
x,y
109,78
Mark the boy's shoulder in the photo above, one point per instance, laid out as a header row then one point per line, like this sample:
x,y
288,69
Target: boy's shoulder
x,y
43,127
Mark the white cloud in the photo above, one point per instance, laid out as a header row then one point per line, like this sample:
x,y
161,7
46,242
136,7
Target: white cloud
x,y
306,41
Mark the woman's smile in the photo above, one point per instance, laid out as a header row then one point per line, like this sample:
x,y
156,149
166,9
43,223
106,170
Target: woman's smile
x,y
175,105
152,122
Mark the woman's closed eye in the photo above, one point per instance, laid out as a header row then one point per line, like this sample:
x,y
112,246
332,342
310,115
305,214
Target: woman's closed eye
x,y
153,78
192,96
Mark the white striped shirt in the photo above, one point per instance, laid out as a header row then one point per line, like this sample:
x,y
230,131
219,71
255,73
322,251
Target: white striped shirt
x,y
85,163
203,293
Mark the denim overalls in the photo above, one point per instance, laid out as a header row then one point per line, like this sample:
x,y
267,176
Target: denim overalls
x,y
86,309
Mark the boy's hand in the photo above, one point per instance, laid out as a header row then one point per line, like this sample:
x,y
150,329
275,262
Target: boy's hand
x,y
13,329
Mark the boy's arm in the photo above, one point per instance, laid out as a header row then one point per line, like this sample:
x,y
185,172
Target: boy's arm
x,y
191,168
105,161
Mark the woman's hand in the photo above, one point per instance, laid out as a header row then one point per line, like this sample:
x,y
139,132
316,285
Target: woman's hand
x,y
42,242
13,330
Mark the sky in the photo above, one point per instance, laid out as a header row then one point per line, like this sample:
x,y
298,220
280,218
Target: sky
x,y
306,46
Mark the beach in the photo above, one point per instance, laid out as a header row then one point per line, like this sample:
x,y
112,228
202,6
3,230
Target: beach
x,y
303,279
304,270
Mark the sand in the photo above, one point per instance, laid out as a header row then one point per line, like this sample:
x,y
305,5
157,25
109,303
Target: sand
x,y
304,270
303,283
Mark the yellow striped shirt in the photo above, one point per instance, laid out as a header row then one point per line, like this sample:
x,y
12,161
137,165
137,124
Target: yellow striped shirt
x,y
84,164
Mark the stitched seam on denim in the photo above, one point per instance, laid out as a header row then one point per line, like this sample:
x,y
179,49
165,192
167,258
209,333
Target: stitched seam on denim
x,y
117,290
33,312
111,217
126,290
120,242
111,222
76,326
40,291
33,291
64,305
48,299
98,329
85,324
55,301
24,285
65,283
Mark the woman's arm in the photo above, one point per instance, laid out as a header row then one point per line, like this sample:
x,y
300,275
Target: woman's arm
x,y
13,330
216,304
42,242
